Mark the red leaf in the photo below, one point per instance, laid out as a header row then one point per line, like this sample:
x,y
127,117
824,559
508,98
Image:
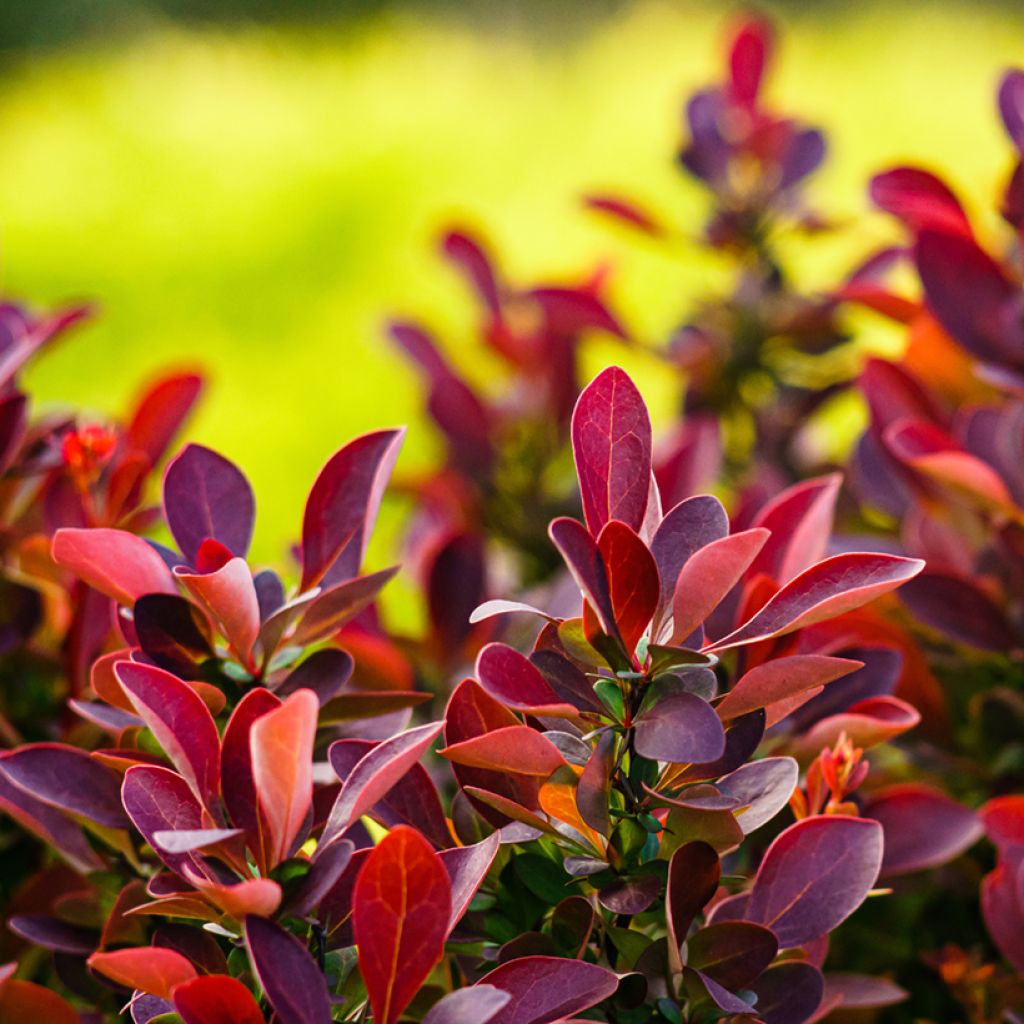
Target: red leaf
x,y
236,774
633,583
732,953
782,679
920,200
214,999
748,58
229,595
160,414
800,522
867,723
206,495
516,748
923,827
375,774
513,679
342,506
814,875
181,723
149,969
114,562
1002,906
24,1001
400,908
281,745
611,439
708,576
627,211
547,989
472,711
836,585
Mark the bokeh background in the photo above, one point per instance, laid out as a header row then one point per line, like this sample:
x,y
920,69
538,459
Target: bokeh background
x,y
254,186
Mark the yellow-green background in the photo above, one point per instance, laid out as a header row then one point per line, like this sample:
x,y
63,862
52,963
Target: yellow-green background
x,y
256,198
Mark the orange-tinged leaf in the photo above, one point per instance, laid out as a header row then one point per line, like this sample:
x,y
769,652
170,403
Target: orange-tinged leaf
x,y
150,969
558,800
516,748
22,1002
281,743
401,905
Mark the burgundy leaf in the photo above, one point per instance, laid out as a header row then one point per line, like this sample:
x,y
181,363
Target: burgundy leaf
x,y
324,672
160,414
611,438
511,678
342,506
693,874
475,1005
375,774
289,975
339,605
693,524
181,722
594,787
475,264
69,779
763,788
587,568
52,933
920,200
633,582
732,953
173,632
789,993
205,495
860,992
838,584
800,522
923,827
547,989
467,867
159,800
413,800
814,875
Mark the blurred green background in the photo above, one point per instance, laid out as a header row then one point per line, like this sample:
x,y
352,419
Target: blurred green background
x,y
254,188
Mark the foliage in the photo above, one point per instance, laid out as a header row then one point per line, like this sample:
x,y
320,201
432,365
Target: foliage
x,y
656,758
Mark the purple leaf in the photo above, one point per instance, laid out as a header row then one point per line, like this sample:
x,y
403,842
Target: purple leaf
x,y
342,506
781,680
630,895
289,975
327,867
489,609
547,989
860,992
763,787
475,1005
814,875
69,779
173,632
923,827
693,524
693,874
579,549
324,672
789,993
189,840
680,728
52,933
205,495
611,439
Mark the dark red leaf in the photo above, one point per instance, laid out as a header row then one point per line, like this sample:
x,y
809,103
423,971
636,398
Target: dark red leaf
x,y
693,874
510,677
547,989
159,800
920,200
789,993
732,953
160,413
611,438
838,584
814,875
342,507
633,582
181,723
